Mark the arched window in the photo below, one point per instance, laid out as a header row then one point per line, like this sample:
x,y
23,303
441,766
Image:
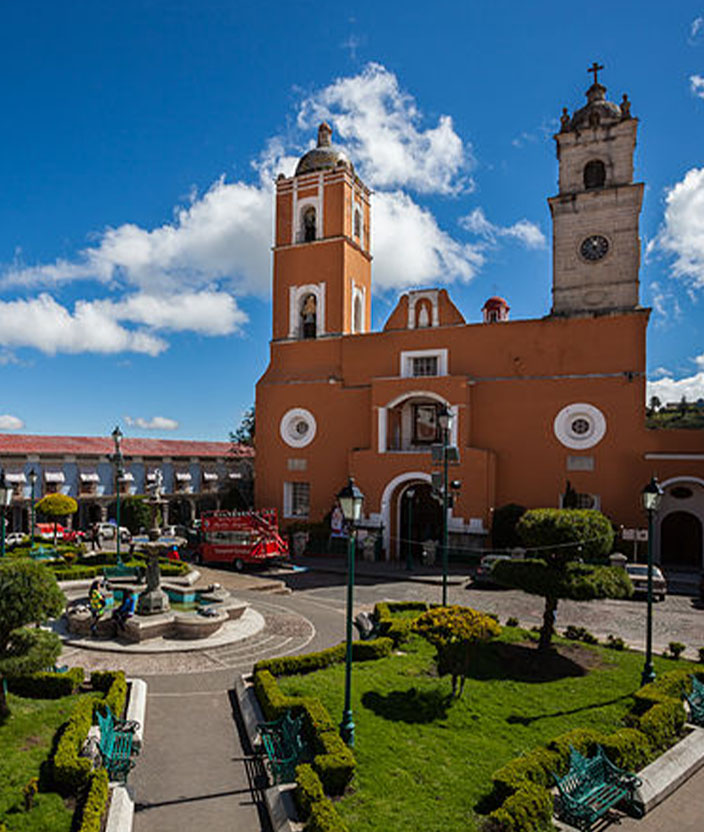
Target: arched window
x,y
309,317
358,315
594,174
357,223
309,224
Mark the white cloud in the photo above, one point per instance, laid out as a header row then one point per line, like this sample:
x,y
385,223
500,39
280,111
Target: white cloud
x,y
410,249
696,85
8,422
155,423
44,324
524,231
696,30
682,233
671,390
379,124
223,235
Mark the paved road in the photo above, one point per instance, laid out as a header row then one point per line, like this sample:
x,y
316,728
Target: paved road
x,y
194,769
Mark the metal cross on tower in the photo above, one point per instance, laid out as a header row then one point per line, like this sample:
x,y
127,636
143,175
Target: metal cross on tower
x,y
595,68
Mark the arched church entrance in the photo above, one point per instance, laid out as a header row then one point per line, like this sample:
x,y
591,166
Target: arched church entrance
x,y
681,540
681,526
420,519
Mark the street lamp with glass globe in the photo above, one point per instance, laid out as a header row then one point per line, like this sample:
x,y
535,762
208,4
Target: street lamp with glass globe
x,y
445,417
651,497
32,481
351,501
5,500
119,474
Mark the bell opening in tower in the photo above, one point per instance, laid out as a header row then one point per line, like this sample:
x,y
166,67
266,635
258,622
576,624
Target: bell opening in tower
x,y
309,317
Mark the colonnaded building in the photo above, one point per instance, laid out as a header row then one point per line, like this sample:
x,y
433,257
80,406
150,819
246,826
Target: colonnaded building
x,y
196,475
536,402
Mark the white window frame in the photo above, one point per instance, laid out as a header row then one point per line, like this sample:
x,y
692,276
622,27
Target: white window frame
x,y
299,207
407,356
288,501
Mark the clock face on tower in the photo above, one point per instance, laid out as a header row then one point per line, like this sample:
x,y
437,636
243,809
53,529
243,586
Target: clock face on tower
x,y
594,247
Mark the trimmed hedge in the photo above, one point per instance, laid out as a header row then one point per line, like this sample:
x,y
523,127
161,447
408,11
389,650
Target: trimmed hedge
x,y
521,788
95,804
334,763
45,685
70,771
362,651
324,818
309,791
114,685
397,629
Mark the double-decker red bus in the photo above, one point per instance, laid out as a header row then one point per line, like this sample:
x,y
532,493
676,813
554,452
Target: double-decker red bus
x,y
241,537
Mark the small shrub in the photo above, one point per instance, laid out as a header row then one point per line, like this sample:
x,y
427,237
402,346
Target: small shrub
x,y
512,622
615,642
324,818
580,634
676,649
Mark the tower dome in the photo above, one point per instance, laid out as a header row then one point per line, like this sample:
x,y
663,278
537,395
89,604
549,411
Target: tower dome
x,y
598,110
323,157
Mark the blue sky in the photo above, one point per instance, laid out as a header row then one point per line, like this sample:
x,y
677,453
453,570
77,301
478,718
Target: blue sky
x,y
140,140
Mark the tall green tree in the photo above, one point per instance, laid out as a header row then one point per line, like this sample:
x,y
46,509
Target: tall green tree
x,y
56,506
560,538
29,594
244,434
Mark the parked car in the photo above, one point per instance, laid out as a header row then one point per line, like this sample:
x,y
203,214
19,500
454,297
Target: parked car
x,y
483,575
107,532
16,539
638,573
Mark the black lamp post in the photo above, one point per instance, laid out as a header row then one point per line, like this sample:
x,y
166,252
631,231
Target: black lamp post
x,y
410,494
119,473
445,416
5,500
351,502
32,482
651,497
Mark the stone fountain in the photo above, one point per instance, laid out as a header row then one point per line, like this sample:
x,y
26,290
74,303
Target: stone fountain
x,y
153,600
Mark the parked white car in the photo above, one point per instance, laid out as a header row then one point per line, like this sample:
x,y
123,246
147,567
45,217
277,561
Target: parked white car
x,y
15,539
107,532
638,573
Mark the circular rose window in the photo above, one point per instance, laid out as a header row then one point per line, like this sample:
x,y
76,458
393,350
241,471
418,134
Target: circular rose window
x,y
298,427
580,426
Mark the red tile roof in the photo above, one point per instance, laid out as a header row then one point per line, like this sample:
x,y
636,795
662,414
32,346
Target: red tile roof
x,y
103,446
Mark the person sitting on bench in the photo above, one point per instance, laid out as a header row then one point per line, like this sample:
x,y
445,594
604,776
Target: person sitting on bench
x,y
125,610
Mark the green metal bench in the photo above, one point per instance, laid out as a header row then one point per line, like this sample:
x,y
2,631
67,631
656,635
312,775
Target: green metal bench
x,y
115,746
696,701
593,786
284,746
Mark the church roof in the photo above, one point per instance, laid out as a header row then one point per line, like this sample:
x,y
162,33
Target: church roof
x,y
325,156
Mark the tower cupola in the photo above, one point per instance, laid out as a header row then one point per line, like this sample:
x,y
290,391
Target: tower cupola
x,y
325,156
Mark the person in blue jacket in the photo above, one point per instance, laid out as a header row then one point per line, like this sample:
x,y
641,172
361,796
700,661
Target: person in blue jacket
x,y
125,610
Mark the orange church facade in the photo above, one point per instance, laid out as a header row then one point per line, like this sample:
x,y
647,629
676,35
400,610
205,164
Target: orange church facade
x,y
535,402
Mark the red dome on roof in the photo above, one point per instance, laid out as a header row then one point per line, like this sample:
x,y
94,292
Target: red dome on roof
x,y
496,303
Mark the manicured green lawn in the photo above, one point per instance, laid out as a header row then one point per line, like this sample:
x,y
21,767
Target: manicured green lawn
x,y
25,741
424,760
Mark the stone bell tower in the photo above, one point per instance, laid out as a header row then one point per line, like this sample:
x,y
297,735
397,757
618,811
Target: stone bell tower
x,y
596,246
322,260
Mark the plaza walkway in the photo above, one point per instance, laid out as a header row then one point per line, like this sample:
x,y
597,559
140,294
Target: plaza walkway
x,y
194,772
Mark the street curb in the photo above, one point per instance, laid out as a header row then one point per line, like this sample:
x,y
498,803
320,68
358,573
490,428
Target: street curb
x,y
137,708
277,799
121,812
666,774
